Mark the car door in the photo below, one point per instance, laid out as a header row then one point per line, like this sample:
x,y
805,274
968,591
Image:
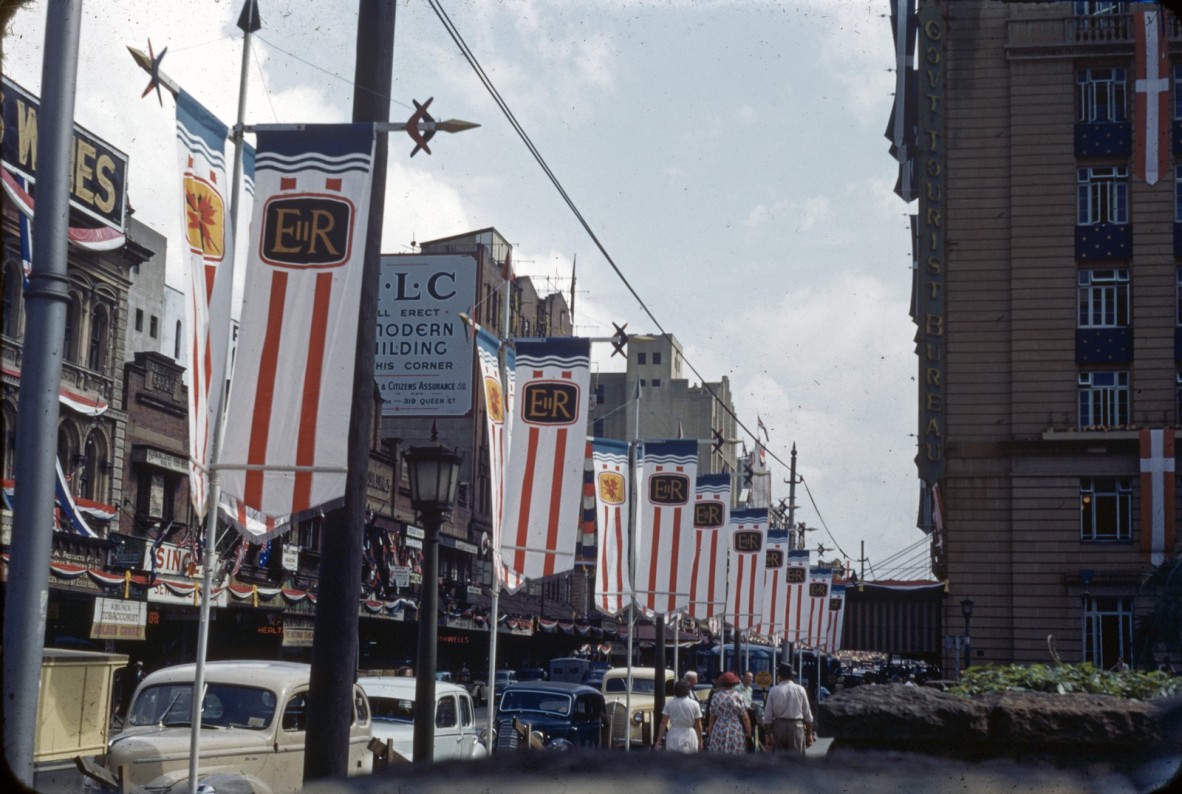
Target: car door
x,y
447,727
469,733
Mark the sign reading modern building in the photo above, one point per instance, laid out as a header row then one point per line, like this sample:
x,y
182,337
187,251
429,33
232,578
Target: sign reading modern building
x,y
423,364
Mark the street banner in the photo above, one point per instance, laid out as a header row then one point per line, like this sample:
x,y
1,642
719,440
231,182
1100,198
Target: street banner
x,y
1151,151
796,574
201,139
744,601
496,407
1159,494
284,450
836,615
819,582
775,586
612,481
547,448
664,535
712,502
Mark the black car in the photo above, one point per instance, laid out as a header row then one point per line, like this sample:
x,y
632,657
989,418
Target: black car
x,y
566,715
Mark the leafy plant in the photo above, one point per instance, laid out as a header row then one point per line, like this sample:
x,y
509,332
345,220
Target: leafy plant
x,y
1067,678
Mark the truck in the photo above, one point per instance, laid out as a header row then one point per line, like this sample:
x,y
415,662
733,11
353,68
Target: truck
x,y
631,717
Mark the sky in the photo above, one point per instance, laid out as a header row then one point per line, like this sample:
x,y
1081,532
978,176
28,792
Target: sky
x,y
728,154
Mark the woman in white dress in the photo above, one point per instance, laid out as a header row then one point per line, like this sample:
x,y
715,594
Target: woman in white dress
x,y
681,722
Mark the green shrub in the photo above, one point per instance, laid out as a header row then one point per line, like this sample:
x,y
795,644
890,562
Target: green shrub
x,y
1067,678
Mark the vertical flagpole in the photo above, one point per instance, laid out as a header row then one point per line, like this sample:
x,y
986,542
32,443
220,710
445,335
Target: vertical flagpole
x,y
632,507
27,594
249,22
495,597
334,644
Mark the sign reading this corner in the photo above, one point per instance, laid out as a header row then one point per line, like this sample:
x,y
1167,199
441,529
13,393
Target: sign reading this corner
x,y
423,365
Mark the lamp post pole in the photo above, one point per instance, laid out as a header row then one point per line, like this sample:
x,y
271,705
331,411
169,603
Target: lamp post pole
x,y
424,711
434,473
966,609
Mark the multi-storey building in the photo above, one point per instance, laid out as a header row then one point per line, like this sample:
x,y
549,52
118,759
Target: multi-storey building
x,y
1049,307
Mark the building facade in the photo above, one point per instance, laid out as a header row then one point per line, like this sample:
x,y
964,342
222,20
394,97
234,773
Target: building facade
x,y
1048,301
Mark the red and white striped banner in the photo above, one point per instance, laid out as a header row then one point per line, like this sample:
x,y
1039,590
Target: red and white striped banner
x,y
744,600
773,620
796,574
712,511
665,533
834,618
285,445
1152,88
1159,494
546,452
496,409
819,582
201,140
612,482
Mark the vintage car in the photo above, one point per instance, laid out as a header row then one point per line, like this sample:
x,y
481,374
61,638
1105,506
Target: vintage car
x,y
636,711
392,701
253,721
559,715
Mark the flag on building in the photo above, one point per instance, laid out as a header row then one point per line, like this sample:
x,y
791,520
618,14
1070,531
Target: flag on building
x,y
744,601
1159,494
836,616
612,481
546,452
819,581
712,507
664,533
201,139
1151,137
285,444
773,621
796,574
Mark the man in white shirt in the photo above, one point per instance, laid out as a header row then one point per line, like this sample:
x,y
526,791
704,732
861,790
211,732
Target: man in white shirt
x,y
788,719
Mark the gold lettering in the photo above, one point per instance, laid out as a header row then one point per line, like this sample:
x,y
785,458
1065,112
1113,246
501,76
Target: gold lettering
x,y
285,229
26,135
933,402
933,167
561,405
934,325
933,428
935,191
83,171
934,238
933,351
104,169
322,225
934,265
935,218
933,141
933,377
934,289
933,452
933,30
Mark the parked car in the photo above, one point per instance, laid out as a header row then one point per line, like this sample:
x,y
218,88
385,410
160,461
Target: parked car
x,y
504,678
443,675
639,718
253,721
392,701
569,668
531,674
562,715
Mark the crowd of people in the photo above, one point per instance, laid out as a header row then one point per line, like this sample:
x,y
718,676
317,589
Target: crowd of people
x,y
733,722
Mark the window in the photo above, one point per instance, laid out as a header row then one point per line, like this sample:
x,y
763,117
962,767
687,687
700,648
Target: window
x,y
656,382
1103,195
176,343
1101,95
1105,509
445,712
1107,630
308,533
657,357
1103,399
12,299
1104,298
154,326
139,319
641,358
72,314
96,353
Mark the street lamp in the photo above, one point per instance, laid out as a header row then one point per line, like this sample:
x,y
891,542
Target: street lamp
x,y
434,473
966,609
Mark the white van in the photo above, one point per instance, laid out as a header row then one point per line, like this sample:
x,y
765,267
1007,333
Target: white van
x,y
392,701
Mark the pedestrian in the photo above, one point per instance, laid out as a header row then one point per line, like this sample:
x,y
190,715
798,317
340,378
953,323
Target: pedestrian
x,y
681,722
132,674
729,727
690,678
746,688
788,719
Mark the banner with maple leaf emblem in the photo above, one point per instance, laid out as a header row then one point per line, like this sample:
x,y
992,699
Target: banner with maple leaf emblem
x,y
201,139
612,480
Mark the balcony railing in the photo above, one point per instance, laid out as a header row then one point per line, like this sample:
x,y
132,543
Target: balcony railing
x,y
1035,35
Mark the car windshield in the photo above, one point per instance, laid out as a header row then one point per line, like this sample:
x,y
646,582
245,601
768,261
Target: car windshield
x,y
640,686
527,700
225,706
392,709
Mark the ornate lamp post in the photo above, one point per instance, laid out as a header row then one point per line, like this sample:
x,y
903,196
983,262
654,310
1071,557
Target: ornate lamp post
x,y
434,473
966,609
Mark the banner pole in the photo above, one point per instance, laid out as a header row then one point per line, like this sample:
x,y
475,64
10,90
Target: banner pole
x,y
495,597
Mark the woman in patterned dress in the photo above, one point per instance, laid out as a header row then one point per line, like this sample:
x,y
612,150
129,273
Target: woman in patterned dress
x,y
728,726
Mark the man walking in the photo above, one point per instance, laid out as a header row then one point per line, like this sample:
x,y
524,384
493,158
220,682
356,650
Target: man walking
x,y
788,720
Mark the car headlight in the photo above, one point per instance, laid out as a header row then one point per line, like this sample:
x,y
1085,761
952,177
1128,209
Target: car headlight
x,y
486,738
560,744
638,717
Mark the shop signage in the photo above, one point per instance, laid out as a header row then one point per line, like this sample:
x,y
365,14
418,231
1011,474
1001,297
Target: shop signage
x,y
116,619
291,557
297,632
401,575
172,559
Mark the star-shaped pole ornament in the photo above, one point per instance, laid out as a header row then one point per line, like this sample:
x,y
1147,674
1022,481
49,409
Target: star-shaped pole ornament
x,y
150,63
422,126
